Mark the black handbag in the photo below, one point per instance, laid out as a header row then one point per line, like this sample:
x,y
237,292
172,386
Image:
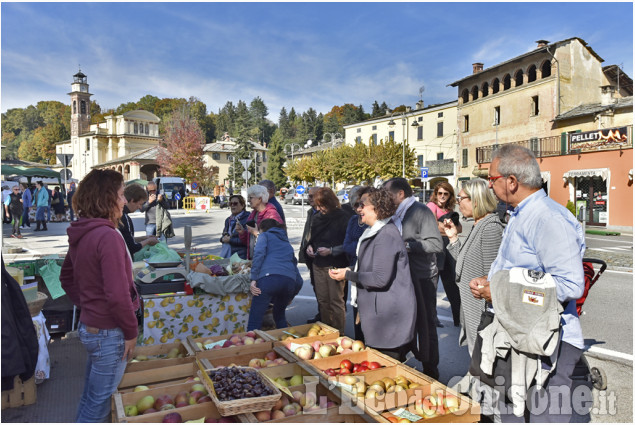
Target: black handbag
x,y
502,366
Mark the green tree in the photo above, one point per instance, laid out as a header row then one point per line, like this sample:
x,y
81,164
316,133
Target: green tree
x,y
277,158
148,103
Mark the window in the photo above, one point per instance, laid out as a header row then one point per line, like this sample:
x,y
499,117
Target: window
x,y
358,139
82,107
229,157
374,137
374,127
466,123
147,129
440,129
264,157
440,115
534,146
74,106
534,106
420,133
497,115
531,74
439,156
136,128
519,78
507,82
485,89
465,95
545,69
420,161
464,158
87,145
391,135
496,84
474,93
359,130
421,118
216,156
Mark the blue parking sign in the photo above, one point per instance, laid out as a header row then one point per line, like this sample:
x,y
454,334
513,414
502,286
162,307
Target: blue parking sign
x,y
424,172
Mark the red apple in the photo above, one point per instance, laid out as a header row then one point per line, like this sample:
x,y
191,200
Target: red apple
x,y
162,401
346,364
374,365
203,399
364,363
277,414
271,355
173,418
263,416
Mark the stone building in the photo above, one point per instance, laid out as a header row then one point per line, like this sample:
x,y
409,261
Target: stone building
x,y
573,113
220,155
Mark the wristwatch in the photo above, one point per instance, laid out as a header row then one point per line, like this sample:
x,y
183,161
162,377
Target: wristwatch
x,y
407,246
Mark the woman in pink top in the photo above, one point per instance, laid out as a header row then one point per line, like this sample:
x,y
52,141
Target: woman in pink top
x,y
442,203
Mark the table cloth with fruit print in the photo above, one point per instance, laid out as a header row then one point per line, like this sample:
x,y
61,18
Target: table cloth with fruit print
x,y
168,318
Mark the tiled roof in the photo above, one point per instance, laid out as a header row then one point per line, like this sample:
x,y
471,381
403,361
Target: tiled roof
x,y
229,147
594,108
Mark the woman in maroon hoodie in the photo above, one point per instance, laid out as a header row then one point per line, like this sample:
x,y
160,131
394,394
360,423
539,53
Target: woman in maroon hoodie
x,y
97,276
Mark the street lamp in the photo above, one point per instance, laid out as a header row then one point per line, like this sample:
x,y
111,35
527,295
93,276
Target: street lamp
x,y
291,147
404,123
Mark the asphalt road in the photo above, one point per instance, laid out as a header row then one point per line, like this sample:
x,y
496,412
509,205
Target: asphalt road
x,y
607,322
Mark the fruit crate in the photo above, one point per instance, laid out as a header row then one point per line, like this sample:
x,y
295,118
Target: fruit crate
x,y
289,347
22,394
160,375
245,405
287,371
121,400
157,355
242,358
217,341
333,362
336,413
301,331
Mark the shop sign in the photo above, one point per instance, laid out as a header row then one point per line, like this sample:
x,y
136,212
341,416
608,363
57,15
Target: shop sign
x,y
604,217
598,138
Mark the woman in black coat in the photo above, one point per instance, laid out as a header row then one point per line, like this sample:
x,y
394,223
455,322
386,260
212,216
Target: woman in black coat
x,y
328,229
385,293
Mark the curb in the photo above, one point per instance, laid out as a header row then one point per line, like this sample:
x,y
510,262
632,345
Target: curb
x,y
607,357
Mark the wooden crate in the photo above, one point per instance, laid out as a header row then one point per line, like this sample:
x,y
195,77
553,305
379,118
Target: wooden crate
x,y
121,400
369,354
242,357
159,376
301,331
22,394
192,342
241,350
196,411
334,414
286,371
288,346
163,349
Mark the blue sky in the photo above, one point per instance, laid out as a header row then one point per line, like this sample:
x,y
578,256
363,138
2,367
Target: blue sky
x,y
290,54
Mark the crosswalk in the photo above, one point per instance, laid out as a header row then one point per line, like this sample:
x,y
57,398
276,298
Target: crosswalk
x,y
614,249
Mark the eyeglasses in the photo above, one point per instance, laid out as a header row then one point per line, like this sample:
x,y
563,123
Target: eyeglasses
x,y
360,204
443,193
460,198
493,179
234,203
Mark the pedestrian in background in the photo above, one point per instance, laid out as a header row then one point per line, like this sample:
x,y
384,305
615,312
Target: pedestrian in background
x,y
135,197
97,276
230,238
13,208
27,201
442,204
327,231
6,191
41,203
420,233
49,210
69,199
271,188
58,204
258,198
150,208
303,257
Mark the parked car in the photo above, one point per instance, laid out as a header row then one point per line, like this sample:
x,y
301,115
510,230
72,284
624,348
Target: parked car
x,y
295,198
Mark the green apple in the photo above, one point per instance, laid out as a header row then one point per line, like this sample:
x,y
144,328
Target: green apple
x,y
140,388
131,410
296,380
145,403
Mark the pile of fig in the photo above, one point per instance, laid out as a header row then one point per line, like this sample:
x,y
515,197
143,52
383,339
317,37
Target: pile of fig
x,y
233,383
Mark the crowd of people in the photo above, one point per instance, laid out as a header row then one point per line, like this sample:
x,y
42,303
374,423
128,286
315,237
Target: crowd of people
x,y
388,250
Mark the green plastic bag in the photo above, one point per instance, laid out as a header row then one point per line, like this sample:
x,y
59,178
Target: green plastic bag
x,y
51,275
159,253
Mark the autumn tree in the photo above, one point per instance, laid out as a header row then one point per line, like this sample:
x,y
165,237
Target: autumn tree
x,y
182,153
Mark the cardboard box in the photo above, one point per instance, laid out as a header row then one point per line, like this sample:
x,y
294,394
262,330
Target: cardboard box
x,y
22,394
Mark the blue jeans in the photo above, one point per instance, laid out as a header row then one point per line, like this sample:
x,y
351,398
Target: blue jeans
x,y
25,218
104,370
151,229
48,213
276,289
40,213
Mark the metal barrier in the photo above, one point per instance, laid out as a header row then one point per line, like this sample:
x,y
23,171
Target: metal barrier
x,y
197,203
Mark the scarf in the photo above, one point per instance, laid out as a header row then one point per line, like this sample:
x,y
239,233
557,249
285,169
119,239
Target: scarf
x,y
401,212
368,233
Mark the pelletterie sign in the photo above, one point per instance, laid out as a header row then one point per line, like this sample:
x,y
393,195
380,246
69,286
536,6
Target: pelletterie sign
x,y
599,138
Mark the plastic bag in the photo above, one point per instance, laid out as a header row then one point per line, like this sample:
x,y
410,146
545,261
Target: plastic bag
x,y
159,253
50,273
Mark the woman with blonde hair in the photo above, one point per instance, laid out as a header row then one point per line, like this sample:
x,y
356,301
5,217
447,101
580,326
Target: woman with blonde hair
x,y
475,256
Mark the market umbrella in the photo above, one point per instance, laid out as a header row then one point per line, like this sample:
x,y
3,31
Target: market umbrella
x,y
137,181
8,170
38,172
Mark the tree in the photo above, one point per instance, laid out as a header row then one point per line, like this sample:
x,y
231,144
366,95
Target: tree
x,y
182,155
376,111
148,103
277,158
258,112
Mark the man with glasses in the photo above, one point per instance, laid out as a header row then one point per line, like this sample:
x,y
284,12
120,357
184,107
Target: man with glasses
x,y
303,257
150,208
13,208
544,236
420,232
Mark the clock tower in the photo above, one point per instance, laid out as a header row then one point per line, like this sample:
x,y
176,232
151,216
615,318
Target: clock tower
x,y
80,105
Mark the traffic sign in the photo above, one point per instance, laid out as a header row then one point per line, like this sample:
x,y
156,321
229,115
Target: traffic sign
x,y
194,185
65,159
345,197
66,174
177,196
424,172
245,163
299,189
246,175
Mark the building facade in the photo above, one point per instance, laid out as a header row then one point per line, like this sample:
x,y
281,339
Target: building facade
x,y
573,113
221,155
430,131
114,143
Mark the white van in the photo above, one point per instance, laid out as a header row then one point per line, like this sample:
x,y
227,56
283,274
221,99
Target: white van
x,y
169,186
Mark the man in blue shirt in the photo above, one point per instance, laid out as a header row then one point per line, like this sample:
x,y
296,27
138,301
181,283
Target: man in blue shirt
x,y
27,199
541,235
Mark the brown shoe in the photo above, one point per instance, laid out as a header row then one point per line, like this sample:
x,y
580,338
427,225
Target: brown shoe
x,y
19,236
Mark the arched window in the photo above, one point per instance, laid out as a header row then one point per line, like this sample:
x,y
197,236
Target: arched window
x,y
496,84
519,77
485,89
74,106
474,93
82,107
465,95
507,82
147,129
136,128
531,74
545,69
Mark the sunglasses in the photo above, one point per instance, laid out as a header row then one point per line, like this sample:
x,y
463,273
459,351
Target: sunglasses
x,y
234,203
443,193
360,205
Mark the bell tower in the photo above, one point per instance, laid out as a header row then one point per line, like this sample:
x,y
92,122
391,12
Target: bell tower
x,y
80,105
